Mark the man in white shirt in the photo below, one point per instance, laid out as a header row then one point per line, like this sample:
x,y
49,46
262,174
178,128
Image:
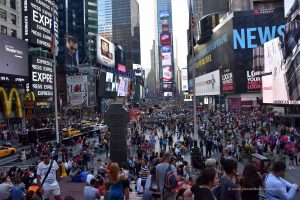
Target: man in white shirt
x,y
50,186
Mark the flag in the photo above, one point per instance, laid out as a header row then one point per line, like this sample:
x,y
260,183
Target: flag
x,y
192,23
52,35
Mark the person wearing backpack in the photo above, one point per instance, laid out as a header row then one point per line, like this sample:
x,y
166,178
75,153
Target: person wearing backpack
x,y
167,178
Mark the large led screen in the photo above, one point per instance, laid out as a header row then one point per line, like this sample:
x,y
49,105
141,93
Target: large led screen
x,y
14,60
37,22
105,52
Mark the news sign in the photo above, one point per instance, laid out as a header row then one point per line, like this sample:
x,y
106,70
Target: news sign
x,y
167,73
41,76
77,90
166,48
166,59
164,14
165,38
105,52
14,60
37,21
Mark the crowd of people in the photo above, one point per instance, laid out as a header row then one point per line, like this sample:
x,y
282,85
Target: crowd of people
x,y
159,167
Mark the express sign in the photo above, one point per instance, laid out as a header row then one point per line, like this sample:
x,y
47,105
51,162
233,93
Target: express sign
x,y
41,76
37,15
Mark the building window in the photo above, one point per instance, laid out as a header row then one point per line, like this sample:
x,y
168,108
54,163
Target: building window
x,y
3,2
3,14
13,33
13,4
13,19
3,29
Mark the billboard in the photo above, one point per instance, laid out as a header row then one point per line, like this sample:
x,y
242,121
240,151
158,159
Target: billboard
x,y
120,55
165,38
167,73
168,94
164,14
165,26
37,21
184,79
41,76
122,68
166,48
123,87
14,60
7,99
282,85
208,84
77,90
166,59
71,54
288,4
105,52
91,91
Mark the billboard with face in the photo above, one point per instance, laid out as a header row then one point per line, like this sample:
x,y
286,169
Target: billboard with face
x,y
105,52
71,54
14,60
37,16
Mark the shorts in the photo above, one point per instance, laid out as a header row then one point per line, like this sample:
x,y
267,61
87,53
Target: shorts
x,y
51,192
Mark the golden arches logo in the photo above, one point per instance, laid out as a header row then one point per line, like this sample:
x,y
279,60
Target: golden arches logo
x,y
29,96
7,102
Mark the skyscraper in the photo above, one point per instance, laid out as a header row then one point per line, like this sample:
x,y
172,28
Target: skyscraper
x,y
126,29
164,43
105,18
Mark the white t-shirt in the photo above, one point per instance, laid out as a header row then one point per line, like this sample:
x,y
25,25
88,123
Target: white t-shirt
x,y
51,182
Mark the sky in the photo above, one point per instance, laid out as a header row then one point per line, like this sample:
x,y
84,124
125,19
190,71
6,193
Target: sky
x,y
180,26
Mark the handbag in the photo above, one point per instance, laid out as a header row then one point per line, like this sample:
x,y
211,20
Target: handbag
x,y
51,163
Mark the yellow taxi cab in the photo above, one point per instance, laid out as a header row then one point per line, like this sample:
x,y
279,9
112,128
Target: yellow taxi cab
x,y
6,151
69,132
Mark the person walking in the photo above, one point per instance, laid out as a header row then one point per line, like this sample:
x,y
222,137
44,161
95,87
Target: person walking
x,y
47,175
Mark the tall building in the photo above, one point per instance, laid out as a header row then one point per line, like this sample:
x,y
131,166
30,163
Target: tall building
x,y
105,18
126,29
78,18
164,47
11,18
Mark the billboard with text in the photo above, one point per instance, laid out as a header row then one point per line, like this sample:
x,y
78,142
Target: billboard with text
x,y
71,54
208,84
166,59
165,38
105,52
14,60
77,90
167,73
184,79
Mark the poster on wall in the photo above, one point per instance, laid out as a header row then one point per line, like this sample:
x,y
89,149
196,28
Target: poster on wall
x,y
208,84
77,89
105,52
166,59
71,54
37,22
14,60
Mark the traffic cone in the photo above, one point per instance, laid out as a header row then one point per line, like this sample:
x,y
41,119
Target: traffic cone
x,y
63,170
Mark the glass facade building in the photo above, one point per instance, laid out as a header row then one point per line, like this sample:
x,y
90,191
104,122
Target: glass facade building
x,y
126,29
79,19
105,18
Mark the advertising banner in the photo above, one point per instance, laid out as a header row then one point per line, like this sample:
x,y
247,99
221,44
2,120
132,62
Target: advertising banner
x,y
77,88
123,87
165,26
37,20
105,52
165,38
91,91
10,97
14,60
184,79
41,76
166,59
168,94
167,86
164,14
166,48
208,84
282,85
122,68
227,81
120,55
167,73
71,54
214,6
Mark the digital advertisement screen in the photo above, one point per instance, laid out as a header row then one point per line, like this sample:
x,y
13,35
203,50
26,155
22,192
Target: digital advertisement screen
x,y
71,54
123,87
166,48
14,60
37,21
166,59
165,26
77,89
109,77
168,94
105,52
165,38
184,79
164,14
122,68
167,73
41,76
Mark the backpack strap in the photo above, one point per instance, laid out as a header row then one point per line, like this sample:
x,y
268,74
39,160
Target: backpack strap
x,y
51,163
